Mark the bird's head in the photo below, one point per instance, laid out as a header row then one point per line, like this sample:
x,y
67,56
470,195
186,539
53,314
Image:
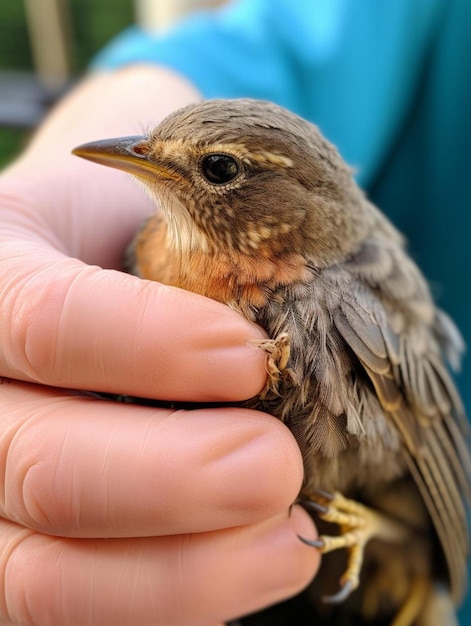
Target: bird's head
x,y
244,177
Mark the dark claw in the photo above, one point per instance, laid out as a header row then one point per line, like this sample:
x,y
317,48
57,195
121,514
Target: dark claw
x,y
341,595
314,506
314,543
327,495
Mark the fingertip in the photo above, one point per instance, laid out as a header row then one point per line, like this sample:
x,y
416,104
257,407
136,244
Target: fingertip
x,y
277,564
280,460
303,526
305,560
225,364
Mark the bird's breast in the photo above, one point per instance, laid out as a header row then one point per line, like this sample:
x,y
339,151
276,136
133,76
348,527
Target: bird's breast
x,y
241,280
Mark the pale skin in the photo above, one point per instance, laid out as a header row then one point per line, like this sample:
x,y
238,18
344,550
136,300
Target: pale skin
x,y
195,506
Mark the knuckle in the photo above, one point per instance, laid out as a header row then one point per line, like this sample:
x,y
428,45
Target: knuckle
x,y
30,319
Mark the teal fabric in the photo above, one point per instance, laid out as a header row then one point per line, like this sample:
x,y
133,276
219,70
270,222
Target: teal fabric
x,y
389,82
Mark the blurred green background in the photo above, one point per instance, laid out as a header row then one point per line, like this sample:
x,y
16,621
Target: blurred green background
x,y
93,23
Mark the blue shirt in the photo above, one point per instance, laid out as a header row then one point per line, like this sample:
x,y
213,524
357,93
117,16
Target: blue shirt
x,y
388,82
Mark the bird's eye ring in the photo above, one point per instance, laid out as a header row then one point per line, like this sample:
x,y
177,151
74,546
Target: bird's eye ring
x,y
219,169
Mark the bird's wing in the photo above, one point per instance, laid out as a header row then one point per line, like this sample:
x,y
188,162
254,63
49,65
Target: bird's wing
x,y
416,391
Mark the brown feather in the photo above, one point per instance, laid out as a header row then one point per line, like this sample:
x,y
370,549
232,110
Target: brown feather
x,y
292,242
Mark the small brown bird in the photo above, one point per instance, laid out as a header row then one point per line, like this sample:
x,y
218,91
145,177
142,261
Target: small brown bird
x,y
257,210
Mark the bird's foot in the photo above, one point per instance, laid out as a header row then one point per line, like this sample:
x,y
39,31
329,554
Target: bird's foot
x,y
277,351
358,524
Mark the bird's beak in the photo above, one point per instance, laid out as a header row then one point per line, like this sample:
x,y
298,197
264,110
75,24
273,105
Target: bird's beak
x,y
130,154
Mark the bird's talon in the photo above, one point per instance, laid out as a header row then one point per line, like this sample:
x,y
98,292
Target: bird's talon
x,y
341,595
313,543
326,495
278,352
314,506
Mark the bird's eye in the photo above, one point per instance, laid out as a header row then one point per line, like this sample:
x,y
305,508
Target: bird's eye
x,y
219,168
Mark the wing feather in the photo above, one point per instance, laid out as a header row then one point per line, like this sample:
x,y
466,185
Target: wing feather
x,y
416,392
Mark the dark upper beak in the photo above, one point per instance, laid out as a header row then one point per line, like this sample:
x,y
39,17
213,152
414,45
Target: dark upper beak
x,y
130,154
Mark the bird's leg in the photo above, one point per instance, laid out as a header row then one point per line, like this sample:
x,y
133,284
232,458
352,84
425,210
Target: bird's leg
x,y
358,524
277,351
414,603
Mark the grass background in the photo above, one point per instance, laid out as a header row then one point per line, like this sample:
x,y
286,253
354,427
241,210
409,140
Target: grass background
x,y
94,22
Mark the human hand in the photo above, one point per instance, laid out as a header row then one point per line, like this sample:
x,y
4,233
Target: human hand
x,y
114,513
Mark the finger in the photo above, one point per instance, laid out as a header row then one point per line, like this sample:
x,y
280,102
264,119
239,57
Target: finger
x,y
86,467
67,324
191,580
